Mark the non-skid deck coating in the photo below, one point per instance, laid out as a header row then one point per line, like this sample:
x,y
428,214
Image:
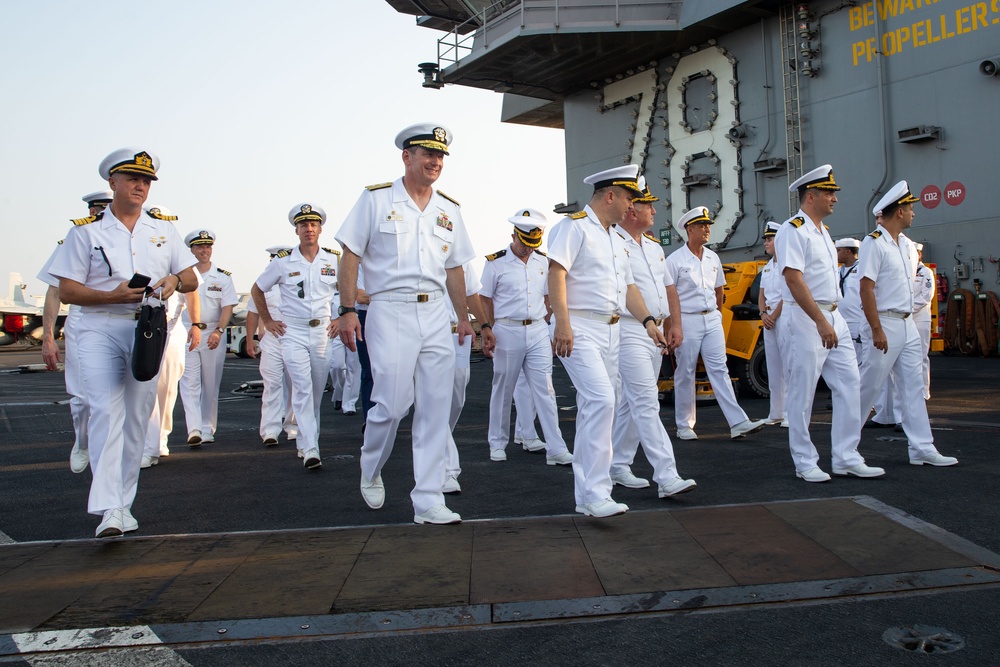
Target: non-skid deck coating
x,y
480,572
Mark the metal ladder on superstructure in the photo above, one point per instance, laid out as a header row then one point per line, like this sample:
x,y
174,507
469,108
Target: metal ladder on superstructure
x,y
793,110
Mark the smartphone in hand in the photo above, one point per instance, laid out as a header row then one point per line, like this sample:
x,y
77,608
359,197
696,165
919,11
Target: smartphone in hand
x,y
139,280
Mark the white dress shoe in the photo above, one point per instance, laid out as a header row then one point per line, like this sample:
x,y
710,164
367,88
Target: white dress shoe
x,y
194,438
298,452
292,435
164,451
934,459
628,480
860,470
602,508
205,439
270,440
498,455
773,422
128,521
149,461
112,525
533,445
373,492
451,485
784,423
560,459
79,459
686,434
311,459
676,486
813,475
439,514
745,427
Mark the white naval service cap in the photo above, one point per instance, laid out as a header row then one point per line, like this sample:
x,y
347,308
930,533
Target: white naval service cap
x,y
847,243
130,160
771,228
697,214
820,178
101,197
897,195
159,213
200,237
275,249
306,212
625,177
431,136
528,225
647,196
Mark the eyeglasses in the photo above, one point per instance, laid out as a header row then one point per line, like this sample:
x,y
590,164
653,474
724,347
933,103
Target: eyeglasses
x,y
302,289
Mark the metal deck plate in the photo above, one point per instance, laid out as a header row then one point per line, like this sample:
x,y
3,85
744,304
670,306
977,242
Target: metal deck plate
x,y
241,586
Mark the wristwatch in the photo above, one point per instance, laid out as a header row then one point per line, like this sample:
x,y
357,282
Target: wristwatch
x,y
346,309
180,283
220,330
200,325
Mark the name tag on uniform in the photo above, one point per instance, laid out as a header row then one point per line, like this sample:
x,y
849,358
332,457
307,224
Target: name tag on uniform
x,y
394,216
214,288
294,273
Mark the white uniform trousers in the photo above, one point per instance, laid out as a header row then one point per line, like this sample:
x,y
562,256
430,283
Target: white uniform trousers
x,y
200,386
922,321
463,355
161,420
306,351
352,383
637,414
276,400
524,352
524,405
411,351
593,369
338,369
775,369
904,360
78,407
119,409
888,403
703,335
807,360
854,328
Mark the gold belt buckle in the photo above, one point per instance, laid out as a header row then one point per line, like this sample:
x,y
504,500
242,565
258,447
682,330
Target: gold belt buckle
x,y
658,321
314,323
526,322
454,328
614,319
422,298
833,307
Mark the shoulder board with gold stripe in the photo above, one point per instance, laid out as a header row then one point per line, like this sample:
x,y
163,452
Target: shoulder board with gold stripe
x,y
86,221
540,252
651,237
826,227
797,221
578,215
332,252
378,186
223,271
284,253
875,234
448,198
498,253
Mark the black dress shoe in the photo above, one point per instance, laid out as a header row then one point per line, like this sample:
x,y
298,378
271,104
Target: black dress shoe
x,y
336,405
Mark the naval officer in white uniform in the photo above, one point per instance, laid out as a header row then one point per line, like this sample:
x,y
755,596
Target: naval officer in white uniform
x,y
696,273
79,457
770,305
515,297
276,400
102,253
849,305
412,242
307,277
889,338
590,287
637,414
181,339
203,366
816,340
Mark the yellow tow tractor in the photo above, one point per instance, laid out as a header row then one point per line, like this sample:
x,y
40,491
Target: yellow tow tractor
x,y
744,341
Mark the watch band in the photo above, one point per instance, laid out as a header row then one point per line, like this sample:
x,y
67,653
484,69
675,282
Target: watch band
x,y
180,283
649,318
200,325
220,330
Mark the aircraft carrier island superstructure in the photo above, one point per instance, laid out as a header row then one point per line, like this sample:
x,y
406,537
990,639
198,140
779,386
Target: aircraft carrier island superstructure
x,y
724,103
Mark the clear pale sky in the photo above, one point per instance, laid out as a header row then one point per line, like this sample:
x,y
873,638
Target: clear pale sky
x,y
252,107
